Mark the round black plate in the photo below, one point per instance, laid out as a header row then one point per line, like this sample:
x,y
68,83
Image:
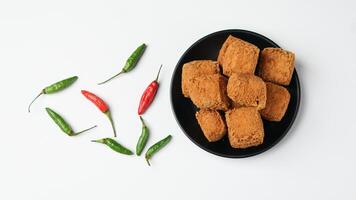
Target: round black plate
x,y
184,110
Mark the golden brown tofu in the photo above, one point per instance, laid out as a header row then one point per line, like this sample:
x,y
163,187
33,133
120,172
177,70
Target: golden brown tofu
x,y
247,90
277,102
197,68
238,56
245,127
276,65
235,105
209,92
212,124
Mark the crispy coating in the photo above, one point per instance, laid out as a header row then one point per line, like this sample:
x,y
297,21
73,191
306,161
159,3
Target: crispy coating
x,y
209,92
212,124
245,127
238,56
197,68
277,102
276,65
247,90
235,105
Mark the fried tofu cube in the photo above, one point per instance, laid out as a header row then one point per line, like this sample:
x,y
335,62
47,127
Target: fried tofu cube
x,y
209,92
238,56
212,124
245,127
247,90
278,99
197,68
235,105
276,65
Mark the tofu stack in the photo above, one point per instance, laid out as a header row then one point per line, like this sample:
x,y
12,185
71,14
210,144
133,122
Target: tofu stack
x,y
232,100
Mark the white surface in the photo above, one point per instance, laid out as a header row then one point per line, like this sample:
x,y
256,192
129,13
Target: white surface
x,y
42,42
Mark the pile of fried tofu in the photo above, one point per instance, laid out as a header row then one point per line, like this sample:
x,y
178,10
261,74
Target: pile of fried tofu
x,y
229,86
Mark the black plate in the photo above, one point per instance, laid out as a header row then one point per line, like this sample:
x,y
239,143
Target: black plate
x,y
184,110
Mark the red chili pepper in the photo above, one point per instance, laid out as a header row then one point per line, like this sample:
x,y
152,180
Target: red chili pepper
x,y
103,107
148,95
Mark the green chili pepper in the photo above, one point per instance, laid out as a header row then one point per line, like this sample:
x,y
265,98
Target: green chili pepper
x,y
114,145
156,147
130,62
65,127
141,143
56,87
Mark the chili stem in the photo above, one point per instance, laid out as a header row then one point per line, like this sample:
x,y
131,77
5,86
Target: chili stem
x,y
143,123
108,114
29,106
98,141
111,78
148,162
159,71
84,130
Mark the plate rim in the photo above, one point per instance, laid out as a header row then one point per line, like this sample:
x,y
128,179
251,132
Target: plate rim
x,y
295,114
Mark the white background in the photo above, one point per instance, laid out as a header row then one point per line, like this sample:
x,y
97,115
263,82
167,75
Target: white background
x,y
45,41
